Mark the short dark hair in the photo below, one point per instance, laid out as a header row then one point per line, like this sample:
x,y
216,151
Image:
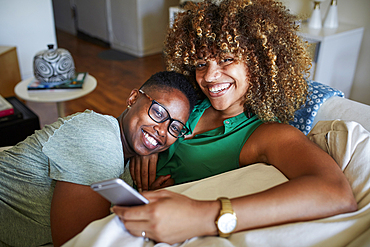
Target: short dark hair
x,y
171,79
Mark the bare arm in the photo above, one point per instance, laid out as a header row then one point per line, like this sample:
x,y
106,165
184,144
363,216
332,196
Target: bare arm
x,y
316,188
73,207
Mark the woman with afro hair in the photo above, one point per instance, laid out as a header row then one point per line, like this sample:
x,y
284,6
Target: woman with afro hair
x,y
250,67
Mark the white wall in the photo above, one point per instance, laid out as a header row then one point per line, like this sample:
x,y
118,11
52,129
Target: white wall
x,y
133,26
358,12
28,25
154,21
138,26
124,25
63,15
92,18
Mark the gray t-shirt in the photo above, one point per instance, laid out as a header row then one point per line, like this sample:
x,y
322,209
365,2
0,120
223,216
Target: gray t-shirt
x,y
82,148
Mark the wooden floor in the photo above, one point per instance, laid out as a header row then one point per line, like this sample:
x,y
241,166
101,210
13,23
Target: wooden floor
x,y
115,79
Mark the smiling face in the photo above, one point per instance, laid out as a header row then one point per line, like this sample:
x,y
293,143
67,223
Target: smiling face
x,y
141,134
224,82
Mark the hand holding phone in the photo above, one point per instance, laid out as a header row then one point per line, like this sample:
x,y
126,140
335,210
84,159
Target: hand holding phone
x,y
119,193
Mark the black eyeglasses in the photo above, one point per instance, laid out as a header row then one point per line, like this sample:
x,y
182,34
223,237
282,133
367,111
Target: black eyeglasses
x,y
159,114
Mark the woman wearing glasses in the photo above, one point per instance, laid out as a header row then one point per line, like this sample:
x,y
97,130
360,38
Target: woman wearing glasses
x,y
45,194
248,61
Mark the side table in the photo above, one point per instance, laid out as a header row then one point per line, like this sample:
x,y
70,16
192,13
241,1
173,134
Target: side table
x,y
335,55
14,131
57,95
9,70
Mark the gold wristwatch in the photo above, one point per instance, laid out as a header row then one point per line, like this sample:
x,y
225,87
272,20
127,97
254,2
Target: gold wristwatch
x,y
226,222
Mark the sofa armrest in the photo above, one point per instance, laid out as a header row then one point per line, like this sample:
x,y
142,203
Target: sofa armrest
x,y
344,109
4,148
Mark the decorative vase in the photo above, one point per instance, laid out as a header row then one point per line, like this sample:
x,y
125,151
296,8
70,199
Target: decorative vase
x,y
315,20
331,20
53,65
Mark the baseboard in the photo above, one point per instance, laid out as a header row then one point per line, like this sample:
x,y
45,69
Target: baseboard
x,y
91,39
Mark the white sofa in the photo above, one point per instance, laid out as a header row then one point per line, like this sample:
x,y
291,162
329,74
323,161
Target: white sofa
x,y
344,109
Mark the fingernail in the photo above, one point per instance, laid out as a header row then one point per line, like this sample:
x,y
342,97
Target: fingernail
x,y
140,190
111,210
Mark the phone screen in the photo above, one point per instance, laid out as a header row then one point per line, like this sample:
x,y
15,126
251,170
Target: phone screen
x,y
119,193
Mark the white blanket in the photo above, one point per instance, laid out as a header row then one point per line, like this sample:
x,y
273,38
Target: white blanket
x,y
349,145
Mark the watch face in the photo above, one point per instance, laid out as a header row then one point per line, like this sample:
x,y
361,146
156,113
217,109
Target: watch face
x,y
226,223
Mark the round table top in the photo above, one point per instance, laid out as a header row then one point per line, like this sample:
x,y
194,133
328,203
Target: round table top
x,y
58,95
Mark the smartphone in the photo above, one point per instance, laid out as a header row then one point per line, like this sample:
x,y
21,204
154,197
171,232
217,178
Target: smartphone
x,y
119,193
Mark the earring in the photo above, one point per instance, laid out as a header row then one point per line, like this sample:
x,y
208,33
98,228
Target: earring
x,y
128,106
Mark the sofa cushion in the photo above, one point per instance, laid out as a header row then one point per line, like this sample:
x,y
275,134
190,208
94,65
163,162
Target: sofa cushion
x,y
344,109
318,94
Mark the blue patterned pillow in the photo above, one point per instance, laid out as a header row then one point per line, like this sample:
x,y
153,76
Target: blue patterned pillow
x,y
319,93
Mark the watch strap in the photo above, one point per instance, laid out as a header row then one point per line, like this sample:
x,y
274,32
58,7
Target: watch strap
x,y
226,207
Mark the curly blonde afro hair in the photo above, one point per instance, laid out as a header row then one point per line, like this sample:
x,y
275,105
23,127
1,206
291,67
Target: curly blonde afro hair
x,y
259,33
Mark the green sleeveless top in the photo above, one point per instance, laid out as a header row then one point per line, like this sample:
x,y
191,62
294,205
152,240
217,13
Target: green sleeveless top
x,y
210,153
